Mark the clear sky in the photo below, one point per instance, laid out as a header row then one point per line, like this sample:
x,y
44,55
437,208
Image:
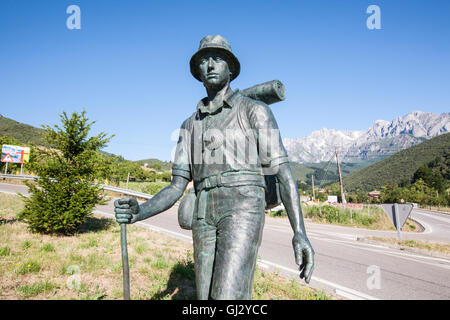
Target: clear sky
x,y
128,65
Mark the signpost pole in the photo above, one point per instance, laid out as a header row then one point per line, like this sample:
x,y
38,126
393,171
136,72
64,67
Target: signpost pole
x,y
397,221
6,168
21,168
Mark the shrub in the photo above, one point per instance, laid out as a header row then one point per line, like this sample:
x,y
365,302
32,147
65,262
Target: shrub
x,y
278,213
65,195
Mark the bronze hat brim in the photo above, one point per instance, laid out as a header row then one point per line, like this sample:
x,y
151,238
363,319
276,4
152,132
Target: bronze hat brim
x,y
233,62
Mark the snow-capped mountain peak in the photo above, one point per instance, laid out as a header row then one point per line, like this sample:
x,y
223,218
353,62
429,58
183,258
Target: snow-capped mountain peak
x,y
381,139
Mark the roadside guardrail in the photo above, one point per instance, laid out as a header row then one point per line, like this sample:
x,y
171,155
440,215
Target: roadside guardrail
x,y
104,187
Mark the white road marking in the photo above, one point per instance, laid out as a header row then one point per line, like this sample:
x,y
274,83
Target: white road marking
x,y
347,295
7,192
391,252
349,292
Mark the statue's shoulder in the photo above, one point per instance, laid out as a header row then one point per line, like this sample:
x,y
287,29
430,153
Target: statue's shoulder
x,y
252,106
188,123
247,103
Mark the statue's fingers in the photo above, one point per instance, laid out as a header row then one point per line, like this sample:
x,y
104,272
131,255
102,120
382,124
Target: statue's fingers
x,y
122,206
122,211
308,273
123,218
299,258
309,267
124,201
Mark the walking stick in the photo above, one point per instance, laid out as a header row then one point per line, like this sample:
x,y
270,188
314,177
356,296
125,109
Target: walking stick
x,y
125,266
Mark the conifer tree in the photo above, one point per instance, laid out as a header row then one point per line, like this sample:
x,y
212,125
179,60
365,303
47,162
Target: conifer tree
x,y
65,194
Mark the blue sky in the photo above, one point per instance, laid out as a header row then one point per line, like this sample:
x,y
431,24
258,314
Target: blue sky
x,y
128,65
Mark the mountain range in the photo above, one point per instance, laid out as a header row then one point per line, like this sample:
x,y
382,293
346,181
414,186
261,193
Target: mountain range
x,y
382,139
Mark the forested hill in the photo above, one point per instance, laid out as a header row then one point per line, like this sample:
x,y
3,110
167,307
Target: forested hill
x,y
22,132
156,164
398,168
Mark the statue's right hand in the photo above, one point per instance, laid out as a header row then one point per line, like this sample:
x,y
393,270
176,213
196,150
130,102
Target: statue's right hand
x,y
127,210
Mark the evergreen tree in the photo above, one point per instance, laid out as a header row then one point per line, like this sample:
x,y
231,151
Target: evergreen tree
x,y
65,195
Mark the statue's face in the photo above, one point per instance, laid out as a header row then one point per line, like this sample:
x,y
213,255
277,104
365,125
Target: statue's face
x,y
214,70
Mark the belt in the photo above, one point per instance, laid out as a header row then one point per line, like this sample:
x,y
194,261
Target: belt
x,y
231,179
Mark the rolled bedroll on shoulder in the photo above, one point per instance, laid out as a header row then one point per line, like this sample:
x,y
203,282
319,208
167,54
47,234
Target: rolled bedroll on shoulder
x,y
268,92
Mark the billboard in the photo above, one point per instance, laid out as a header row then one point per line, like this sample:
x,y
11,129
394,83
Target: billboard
x,y
15,154
332,199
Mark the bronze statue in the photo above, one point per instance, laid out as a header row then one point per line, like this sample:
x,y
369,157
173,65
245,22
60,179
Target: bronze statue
x,y
232,149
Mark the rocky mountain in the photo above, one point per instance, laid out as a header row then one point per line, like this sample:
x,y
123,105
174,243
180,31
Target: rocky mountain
x,y
384,138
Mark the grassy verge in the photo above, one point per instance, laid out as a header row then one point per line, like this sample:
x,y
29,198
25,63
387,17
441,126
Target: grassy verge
x,y
439,209
370,218
442,248
88,265
145,187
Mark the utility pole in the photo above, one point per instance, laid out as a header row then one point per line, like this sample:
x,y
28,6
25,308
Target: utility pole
x,y
314,193
340,176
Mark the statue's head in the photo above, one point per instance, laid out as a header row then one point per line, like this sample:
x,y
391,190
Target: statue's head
x,y
214,63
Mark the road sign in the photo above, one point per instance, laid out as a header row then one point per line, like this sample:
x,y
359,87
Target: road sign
x,y
7,158
398,214
15,154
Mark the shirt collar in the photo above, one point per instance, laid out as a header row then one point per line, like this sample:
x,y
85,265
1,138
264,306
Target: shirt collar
x,y
228,102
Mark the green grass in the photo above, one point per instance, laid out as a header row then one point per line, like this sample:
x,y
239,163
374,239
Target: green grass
x,y
141,248
29,266
31,290
5,251
145,187
26,244
48,247
160,262
443,248
373,218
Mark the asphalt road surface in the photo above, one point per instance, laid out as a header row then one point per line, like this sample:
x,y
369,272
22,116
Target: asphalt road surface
x,y
344,266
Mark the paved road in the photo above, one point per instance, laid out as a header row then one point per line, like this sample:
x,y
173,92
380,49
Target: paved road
x,y
344,266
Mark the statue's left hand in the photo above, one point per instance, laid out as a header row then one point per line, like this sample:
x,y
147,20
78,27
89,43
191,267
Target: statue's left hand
x,y
304,255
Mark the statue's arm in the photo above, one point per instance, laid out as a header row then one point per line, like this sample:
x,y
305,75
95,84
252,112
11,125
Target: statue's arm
x,y
304,253
290,198
164,199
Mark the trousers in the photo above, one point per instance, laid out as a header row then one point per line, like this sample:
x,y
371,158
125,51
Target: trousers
x,y
226,241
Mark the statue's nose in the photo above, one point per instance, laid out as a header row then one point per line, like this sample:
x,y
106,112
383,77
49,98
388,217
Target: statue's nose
x,y
210,62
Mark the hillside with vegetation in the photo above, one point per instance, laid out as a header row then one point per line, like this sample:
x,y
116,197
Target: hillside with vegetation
x,y
400,168
325,173
155,164
24,133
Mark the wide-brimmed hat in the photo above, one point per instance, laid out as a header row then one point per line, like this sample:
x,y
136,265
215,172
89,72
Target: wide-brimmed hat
x,y
216,43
